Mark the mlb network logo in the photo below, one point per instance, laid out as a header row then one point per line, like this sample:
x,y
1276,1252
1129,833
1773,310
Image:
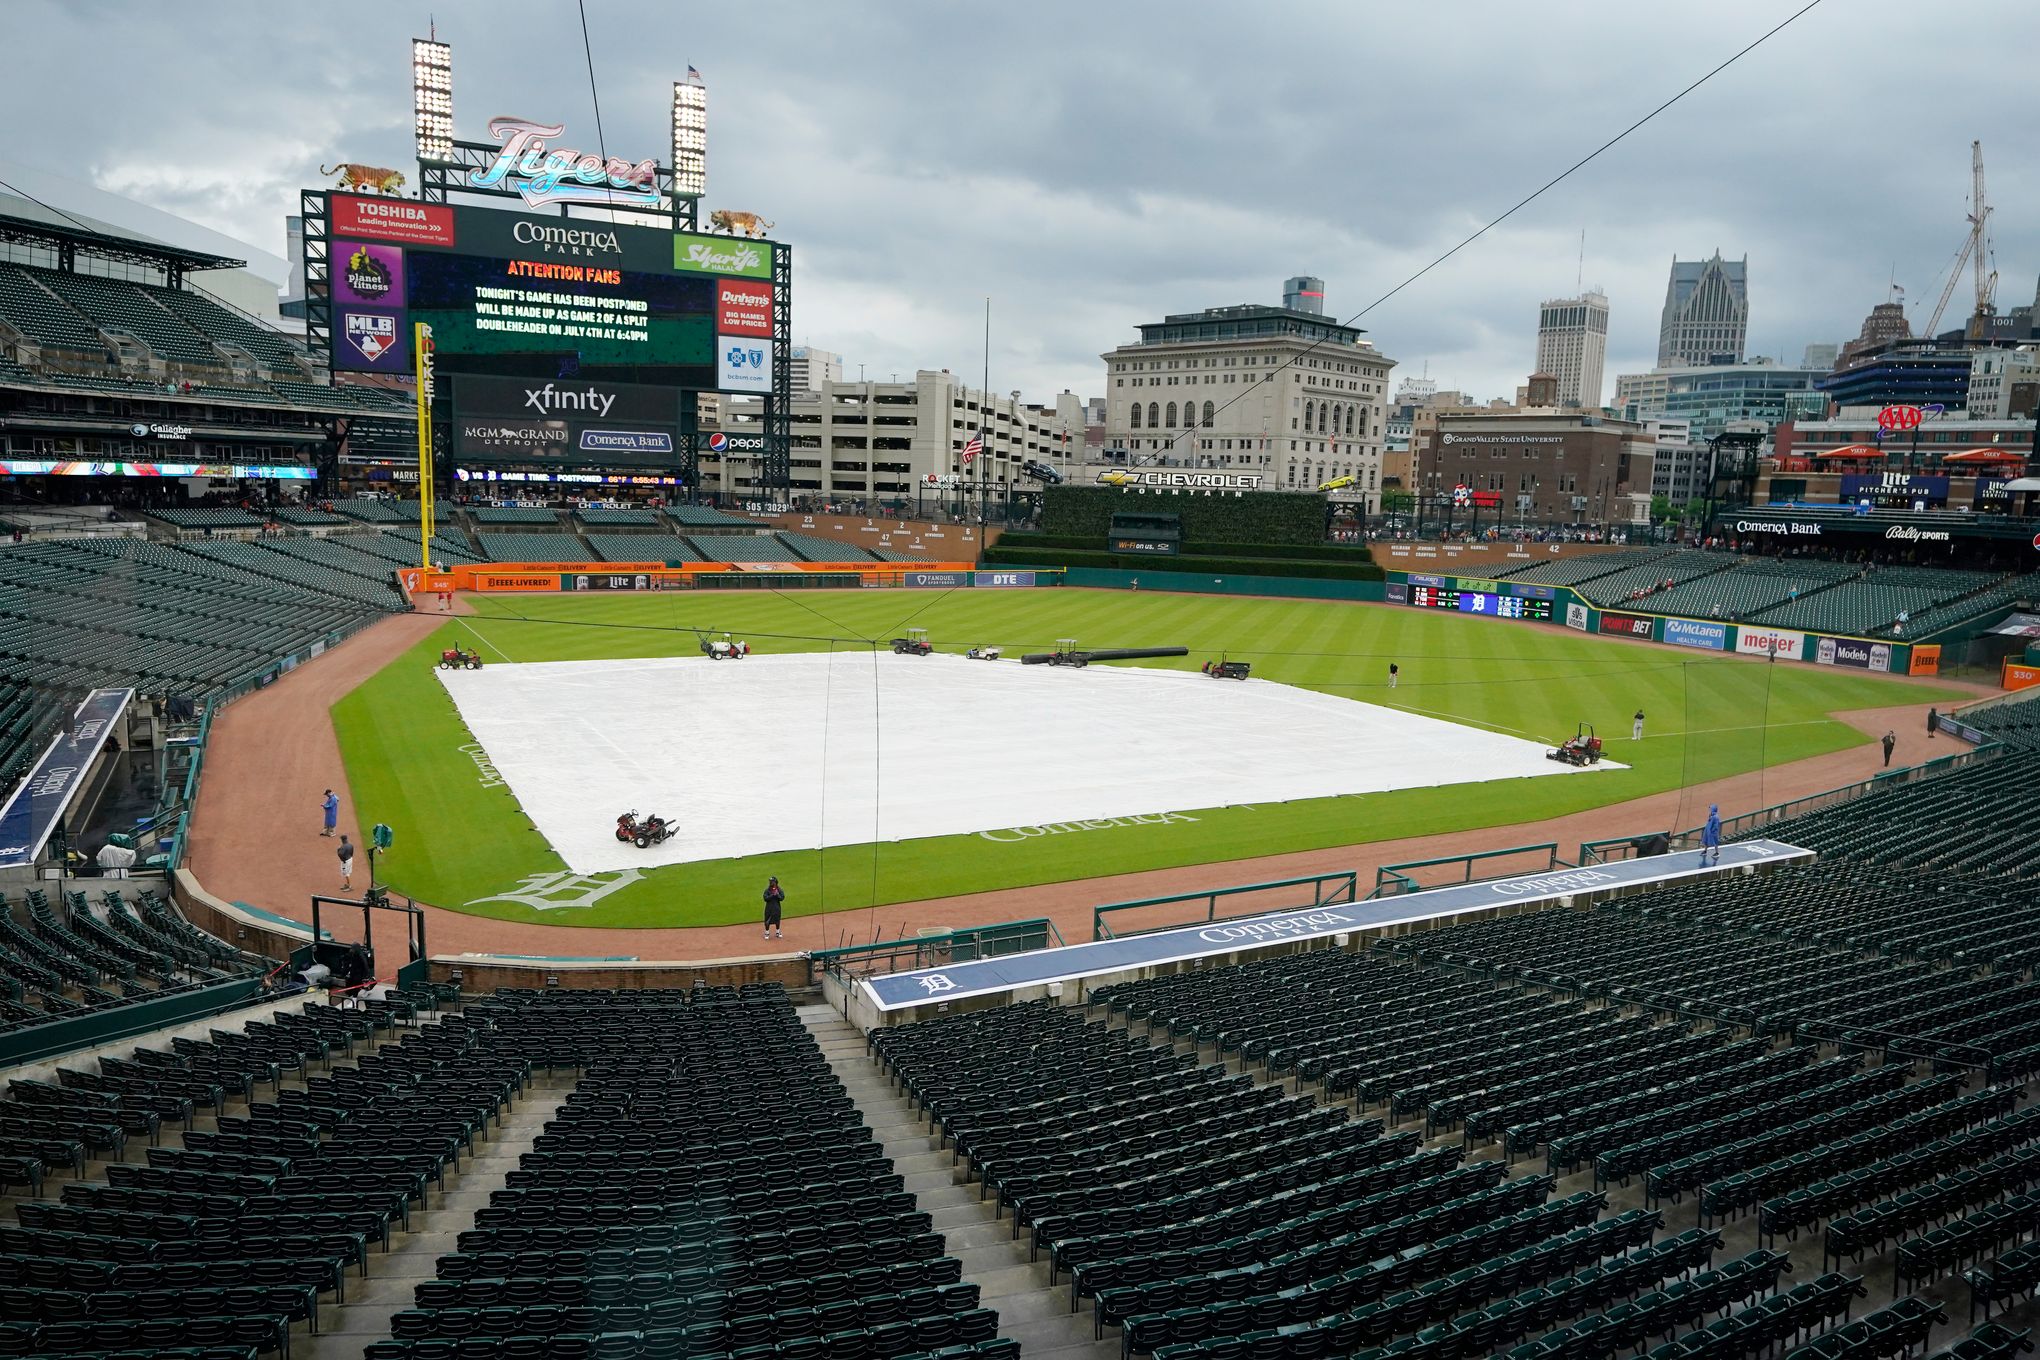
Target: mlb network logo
x,y
371,334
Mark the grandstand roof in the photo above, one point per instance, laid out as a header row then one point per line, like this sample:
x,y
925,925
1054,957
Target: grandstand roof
x,y
14,227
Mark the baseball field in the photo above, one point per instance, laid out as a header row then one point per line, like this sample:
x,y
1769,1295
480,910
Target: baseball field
x,y
464,841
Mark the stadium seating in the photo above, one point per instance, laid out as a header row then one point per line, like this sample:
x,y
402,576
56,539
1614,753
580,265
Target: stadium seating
x,y
1744,589
1615,589
1875,600
210,518
641,547
120,306
30,307
83,957
1951,613
1583,567
706,517
514,514
814,549
272,350
521,547
378,511
612,517
29,717
742,548
169,619
644,1219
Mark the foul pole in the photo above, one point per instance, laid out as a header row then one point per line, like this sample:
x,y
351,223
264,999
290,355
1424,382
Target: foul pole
x,y
421,348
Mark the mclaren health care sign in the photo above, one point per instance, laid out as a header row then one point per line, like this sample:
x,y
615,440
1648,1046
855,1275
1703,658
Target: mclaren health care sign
x,y
32,813
984,977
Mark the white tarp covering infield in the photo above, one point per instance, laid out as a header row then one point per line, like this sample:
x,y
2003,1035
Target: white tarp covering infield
x,y
798,751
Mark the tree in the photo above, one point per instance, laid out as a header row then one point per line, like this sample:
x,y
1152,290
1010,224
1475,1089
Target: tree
x,y
1661,509
1395,501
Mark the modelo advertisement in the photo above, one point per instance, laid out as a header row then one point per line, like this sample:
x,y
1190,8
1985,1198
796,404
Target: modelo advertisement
x,y
1859,655
1626,625
1770,642
578,420
1711,637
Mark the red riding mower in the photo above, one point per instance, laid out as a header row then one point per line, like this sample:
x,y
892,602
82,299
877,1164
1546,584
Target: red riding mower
x,y
459,659
1582,748
645,833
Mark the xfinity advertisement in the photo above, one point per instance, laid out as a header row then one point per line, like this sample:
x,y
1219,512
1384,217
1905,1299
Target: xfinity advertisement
x,y
577,421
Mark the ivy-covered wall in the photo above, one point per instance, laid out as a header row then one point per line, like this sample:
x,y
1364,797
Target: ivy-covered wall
x,y
1257,517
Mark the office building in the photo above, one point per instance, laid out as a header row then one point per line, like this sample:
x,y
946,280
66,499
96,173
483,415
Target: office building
x,y
1275,394
1820,356
1304,294
2002,383
1680,468
1706,317
813,368
1557,467
1713,397
1907,373
1884,327
1572,346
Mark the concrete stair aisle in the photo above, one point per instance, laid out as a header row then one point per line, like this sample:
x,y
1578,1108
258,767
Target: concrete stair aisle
x,y
1030,1312
346,1329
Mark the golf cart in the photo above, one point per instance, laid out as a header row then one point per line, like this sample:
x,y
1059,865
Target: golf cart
x,y
915,643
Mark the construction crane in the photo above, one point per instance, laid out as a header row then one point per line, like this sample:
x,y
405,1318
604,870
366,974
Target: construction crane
x,y
1975,251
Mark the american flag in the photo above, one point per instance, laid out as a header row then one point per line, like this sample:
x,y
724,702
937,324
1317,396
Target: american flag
x,y
694,75
975,447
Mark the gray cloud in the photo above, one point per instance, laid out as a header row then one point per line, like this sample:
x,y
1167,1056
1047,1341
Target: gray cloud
x,y
1091,167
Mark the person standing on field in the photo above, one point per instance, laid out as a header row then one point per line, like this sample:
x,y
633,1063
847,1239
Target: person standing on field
x,y
1933,723
1394,672
1636,727
1890,740
346,853
331,806
774,896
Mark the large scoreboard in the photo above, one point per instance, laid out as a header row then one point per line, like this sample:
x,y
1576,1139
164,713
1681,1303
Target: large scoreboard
x,y
1489,603
493,284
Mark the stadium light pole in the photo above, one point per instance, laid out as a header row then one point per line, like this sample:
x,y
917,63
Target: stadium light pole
x,y
690,136
432,99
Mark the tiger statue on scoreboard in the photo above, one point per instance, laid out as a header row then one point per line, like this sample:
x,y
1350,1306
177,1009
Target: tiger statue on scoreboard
x,y
366,178
736,223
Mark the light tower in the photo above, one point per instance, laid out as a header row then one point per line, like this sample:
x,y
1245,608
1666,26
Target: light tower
x,y
690,143
432,98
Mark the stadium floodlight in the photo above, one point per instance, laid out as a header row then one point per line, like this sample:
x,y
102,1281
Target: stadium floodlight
x,y
690,136
432,98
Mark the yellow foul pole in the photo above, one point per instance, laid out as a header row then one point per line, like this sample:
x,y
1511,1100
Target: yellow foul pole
x,y
421,347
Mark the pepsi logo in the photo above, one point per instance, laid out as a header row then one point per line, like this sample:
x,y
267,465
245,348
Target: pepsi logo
x,y
718,442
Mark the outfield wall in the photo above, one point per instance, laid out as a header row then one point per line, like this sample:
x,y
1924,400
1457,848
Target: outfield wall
x,y
1290,587
1569,609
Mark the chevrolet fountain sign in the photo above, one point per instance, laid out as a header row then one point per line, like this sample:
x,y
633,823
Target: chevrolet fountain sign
x,y
1181,481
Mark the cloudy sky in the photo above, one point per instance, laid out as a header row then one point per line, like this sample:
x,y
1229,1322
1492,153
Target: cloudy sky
x,y
1093,166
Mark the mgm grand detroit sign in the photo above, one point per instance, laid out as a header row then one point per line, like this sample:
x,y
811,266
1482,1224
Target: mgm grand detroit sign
x,y
1196,483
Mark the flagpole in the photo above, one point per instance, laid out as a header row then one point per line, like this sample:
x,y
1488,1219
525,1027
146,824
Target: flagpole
x,y
984,411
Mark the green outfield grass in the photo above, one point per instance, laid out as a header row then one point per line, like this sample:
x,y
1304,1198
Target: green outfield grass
x,y
1709,716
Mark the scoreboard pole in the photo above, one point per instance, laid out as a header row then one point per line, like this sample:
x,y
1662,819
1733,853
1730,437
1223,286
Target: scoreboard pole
x,y
421,350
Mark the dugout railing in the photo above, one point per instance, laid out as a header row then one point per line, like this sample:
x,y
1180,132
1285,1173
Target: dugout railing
x,y
1393,880
1202,907
934,949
